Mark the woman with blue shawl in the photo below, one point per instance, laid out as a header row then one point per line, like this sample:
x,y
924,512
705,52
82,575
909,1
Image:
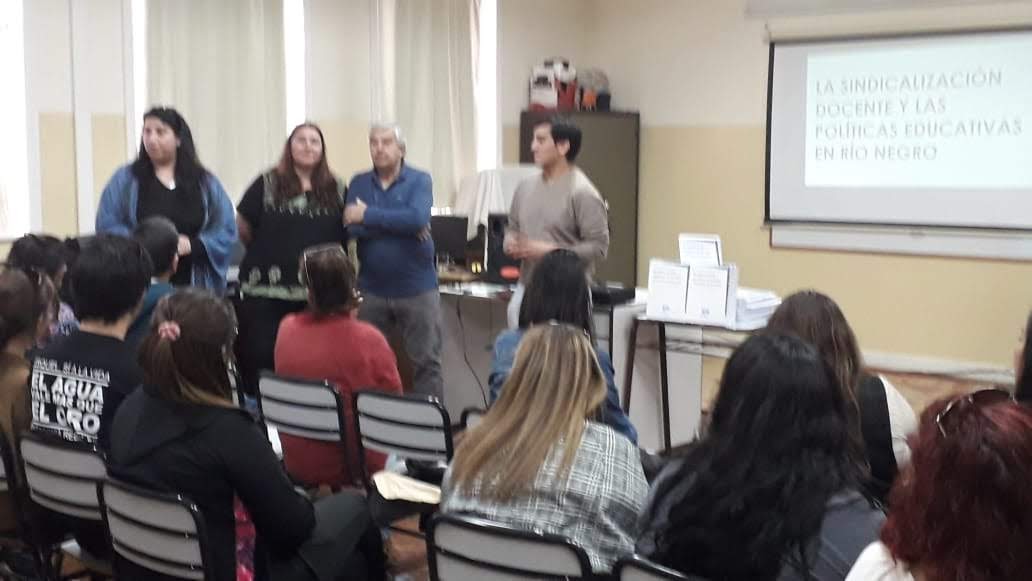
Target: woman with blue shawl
x,y
167,179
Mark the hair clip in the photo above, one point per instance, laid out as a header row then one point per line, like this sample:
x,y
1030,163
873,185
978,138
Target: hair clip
x,y
169,330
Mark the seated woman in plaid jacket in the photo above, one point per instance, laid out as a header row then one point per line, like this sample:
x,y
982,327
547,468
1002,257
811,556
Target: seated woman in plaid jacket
x,y
540,460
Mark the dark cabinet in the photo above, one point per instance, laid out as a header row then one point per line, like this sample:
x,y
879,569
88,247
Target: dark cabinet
x,y
609,157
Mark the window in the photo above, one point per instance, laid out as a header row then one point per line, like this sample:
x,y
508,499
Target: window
x,y
14,166
486,89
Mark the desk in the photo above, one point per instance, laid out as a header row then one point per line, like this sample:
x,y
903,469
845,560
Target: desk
x,y
472,316
695,342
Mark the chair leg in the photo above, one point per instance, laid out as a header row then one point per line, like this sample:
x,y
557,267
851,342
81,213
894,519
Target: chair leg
x,y
57,562
40,561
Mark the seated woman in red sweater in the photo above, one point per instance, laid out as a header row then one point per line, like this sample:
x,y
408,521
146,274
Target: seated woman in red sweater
x,y
327,341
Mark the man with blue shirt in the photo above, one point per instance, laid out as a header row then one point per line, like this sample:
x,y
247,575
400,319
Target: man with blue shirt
x,y
388,214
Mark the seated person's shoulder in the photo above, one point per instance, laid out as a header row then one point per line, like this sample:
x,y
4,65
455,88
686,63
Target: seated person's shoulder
x,y
233,417
508,336
293,322
11,363
610,441
364,330
229,424
14,372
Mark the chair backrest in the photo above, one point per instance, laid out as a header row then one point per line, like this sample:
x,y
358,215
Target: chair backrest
x,y
234,385
471,417
461,548
410,426
636,568
309,409
62,476
160,532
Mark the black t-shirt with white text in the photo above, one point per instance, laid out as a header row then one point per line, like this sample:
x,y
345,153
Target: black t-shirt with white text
x,y
78,382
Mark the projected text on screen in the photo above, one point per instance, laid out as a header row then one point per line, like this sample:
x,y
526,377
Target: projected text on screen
x,y
925,117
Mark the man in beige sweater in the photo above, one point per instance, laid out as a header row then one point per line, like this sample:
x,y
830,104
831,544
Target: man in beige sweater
x,y
560,208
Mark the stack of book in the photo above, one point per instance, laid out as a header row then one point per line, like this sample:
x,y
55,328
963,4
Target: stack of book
x,y
753,307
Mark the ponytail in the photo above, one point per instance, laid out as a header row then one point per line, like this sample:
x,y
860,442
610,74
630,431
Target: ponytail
x,y
183,356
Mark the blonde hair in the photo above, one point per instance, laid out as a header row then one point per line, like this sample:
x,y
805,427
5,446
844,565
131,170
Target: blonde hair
x,y
555,385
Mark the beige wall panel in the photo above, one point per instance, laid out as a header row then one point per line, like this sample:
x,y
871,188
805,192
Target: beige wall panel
x,y
57,173
347,145
711,179
529,31
108,150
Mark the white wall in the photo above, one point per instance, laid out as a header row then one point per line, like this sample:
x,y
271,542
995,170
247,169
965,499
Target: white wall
x,y
678,62
704,63
530,31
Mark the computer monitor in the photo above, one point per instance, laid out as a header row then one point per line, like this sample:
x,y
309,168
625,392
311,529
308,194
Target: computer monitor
x,y
449,234
494,252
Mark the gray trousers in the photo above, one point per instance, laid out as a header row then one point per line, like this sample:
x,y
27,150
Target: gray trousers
x,y
418,321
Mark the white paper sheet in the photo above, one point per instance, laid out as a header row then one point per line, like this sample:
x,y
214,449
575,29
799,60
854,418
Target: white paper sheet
x,y
707,294
700,249
668,286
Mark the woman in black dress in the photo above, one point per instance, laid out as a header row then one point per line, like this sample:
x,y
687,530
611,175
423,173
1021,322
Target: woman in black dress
x,y
294,205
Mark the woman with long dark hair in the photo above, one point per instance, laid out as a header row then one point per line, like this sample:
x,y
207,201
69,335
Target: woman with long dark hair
x,y
296,204
880,418
181,432
771,491
167,179
558,291
961,509
27,306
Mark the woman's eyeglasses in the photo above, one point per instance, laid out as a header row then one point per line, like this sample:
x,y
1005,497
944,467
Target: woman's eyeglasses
x,y
979,398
